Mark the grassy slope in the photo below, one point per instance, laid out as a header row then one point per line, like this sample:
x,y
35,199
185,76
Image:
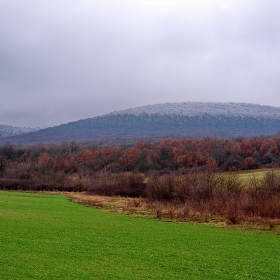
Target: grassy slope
x,y
47,237
257,174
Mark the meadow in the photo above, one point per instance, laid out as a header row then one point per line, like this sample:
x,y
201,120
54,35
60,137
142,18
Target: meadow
x,y
247,176
48,237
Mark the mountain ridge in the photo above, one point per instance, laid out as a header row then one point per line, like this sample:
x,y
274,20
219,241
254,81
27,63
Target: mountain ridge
x,y
186,119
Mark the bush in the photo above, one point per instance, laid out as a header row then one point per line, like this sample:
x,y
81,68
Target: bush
x,y
127,185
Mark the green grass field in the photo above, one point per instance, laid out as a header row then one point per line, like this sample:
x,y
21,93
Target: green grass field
x,y
48,237
248,177
256,174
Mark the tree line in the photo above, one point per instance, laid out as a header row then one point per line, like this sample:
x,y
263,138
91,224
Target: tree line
x,y
144,156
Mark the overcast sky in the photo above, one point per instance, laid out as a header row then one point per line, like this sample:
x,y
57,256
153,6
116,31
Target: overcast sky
x,y
63,60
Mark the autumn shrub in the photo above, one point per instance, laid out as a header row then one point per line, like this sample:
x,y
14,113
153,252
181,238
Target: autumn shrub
x,y
249,203
182,189
17,184
3,165
8,184
160,187
271,182
202,185
123,184
228,181
207,193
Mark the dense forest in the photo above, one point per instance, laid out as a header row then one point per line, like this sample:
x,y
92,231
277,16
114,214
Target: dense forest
x,y
165,155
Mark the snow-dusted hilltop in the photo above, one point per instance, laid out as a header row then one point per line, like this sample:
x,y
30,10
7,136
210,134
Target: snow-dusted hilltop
x,y
7,130
204,108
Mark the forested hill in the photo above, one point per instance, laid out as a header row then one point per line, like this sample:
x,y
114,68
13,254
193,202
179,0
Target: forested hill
x,y
189,119
8,130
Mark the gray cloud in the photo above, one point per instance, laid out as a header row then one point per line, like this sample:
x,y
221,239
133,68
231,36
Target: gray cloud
x,y
66,60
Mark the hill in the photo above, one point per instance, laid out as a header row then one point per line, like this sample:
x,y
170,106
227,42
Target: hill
x,y
8,130
188,119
